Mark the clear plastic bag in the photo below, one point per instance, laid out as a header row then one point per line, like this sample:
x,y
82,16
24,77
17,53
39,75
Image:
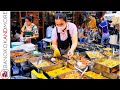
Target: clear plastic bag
x,y
15,70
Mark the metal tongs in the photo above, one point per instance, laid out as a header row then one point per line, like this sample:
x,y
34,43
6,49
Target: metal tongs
x,y
82,71
47,54
40,60
101,50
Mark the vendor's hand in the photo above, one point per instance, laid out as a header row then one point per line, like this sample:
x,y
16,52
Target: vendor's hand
x,y
70,53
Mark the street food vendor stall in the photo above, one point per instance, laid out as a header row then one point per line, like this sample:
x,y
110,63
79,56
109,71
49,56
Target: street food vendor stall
x,y
94,62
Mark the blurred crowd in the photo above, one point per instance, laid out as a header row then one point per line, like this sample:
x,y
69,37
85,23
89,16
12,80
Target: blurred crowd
x,y
100,32
90,30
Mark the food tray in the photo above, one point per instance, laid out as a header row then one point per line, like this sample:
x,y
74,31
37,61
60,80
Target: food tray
x,y
107,49
99,45
55,64
19,58
22,53
57,61
108,75
95,54
33,61
61,58
83,60
85,48
76,56
45,56
22,63
89,77
52,67
105,68
71,66
46,68
62,76
58,71
109,54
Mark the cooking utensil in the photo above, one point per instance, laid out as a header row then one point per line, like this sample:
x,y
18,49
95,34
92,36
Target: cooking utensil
x,y
78,69
83,72
40,60
101,50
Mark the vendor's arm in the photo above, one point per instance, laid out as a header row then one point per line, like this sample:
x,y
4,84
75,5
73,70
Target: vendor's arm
x,y
74,39
54,39
74,42
22,30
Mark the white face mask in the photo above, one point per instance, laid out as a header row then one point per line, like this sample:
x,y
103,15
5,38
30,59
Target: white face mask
x,y
61,27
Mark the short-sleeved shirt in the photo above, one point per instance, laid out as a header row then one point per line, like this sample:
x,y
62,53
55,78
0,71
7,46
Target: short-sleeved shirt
x,y
33,28
63,35
104,25
81,33
49,32
92,23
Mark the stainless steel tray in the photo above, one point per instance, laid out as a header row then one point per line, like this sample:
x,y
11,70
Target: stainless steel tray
x,y
25,53
95,57
52,67
104,68
88,77
108,75
62,76
46,68
20,63
39,68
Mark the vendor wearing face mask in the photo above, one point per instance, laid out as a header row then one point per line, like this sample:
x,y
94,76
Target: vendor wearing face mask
x,y
64,36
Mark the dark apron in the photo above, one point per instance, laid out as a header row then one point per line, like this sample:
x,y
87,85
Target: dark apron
x,y
33,41
64,45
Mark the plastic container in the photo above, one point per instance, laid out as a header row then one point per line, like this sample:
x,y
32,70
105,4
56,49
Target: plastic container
x,y
13,44
15,70
19,77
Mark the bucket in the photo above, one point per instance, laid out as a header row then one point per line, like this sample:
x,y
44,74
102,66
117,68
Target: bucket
x,y
113,39
14,44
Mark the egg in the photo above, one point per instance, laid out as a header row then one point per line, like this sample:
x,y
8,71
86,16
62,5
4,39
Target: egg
x,y
79,63
53,59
